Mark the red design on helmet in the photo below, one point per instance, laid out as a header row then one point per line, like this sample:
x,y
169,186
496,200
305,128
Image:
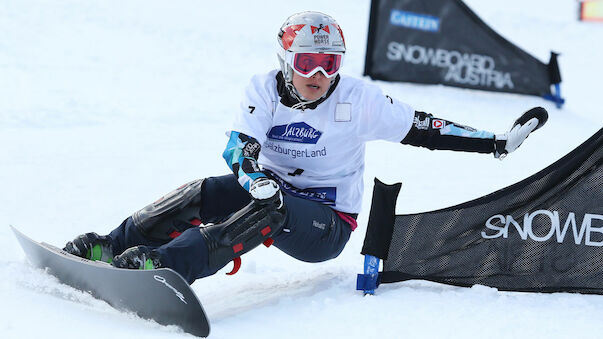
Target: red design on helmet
x,y
316,29
340,32
289,35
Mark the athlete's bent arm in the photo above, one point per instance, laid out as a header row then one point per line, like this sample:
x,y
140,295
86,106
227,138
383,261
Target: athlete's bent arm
x,y
241,155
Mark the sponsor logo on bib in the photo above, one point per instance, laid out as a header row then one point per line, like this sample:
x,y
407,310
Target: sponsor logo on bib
x,y
295,132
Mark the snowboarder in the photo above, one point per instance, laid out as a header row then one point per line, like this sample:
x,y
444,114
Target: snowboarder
x,y
296,151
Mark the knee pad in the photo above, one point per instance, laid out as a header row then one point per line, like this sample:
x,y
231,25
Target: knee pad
x,y
251,226
167,217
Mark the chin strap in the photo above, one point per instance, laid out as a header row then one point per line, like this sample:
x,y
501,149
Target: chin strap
x,y
295,94
303,102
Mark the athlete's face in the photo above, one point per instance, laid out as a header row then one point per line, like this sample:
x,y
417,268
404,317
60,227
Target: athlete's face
x,y
313,87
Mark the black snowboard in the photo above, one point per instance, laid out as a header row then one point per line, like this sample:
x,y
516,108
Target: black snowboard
x,y
161,295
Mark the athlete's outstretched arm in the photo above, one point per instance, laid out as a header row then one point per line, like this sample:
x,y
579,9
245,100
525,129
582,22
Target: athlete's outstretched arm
x,y
435,133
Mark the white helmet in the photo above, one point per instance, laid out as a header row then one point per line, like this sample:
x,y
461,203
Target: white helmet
x,y
310,32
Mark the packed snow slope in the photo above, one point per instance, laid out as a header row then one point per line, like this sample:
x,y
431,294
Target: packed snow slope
x,y
107,105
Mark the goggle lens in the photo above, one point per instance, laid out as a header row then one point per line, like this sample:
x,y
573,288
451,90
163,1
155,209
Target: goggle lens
x,y
306,63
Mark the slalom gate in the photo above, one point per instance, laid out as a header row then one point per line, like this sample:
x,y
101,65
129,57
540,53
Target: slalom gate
x,y
445,42
542,234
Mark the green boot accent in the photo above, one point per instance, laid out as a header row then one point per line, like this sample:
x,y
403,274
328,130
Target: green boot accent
x,y
100,253
148,265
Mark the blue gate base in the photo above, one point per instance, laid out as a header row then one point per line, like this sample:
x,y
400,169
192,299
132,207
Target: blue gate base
x,y
369,281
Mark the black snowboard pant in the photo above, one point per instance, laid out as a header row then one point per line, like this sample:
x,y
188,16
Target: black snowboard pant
x,y
312,232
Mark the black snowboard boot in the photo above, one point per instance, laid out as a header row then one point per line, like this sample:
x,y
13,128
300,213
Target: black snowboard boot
x,y
138,258
91,246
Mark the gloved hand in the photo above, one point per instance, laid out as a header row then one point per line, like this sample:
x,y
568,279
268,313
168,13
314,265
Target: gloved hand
x,y
266,190
522,127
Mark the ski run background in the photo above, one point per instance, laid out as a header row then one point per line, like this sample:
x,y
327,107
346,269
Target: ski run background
x,y
107,105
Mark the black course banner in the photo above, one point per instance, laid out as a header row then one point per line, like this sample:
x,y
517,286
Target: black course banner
x,y
542,234
444,42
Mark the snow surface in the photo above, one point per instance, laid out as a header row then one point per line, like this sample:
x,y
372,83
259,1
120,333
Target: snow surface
x,y
107,105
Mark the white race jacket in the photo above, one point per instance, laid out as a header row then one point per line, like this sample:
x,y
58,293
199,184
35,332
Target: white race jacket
x,y
319,153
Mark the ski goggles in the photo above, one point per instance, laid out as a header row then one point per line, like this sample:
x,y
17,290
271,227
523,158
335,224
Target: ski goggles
x,y
308,64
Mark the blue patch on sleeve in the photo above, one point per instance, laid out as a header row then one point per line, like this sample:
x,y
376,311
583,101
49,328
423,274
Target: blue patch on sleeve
x,y
231,148
233,154
451,129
